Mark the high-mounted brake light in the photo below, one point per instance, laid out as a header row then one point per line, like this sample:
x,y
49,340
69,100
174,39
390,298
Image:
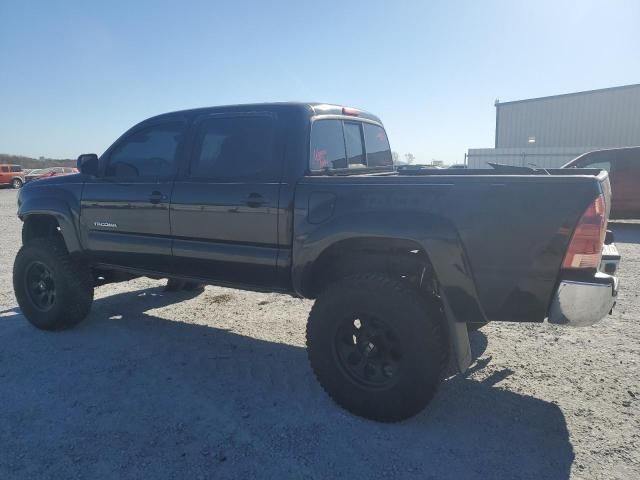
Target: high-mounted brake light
x,y
585,249
350,111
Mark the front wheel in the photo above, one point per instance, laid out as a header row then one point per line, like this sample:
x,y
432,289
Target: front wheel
x,y
53,291
377,346
16,183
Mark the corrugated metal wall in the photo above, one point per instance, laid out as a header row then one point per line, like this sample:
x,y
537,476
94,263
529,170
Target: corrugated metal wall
x,y
602,118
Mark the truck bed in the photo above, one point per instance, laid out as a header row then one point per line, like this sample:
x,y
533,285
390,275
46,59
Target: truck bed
x,y
496,239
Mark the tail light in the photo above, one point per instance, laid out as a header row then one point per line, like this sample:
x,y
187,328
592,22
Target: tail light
x,y
585,249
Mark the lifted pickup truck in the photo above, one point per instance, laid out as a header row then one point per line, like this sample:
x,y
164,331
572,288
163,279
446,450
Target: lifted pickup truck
x,y
305,199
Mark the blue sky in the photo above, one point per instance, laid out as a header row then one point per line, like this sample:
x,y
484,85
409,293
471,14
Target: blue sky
x,y
75,74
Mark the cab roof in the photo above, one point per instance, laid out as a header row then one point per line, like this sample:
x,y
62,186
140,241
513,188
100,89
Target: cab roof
x,y
311,109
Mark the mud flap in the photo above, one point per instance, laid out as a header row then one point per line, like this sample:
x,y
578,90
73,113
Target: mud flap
x,y
460,348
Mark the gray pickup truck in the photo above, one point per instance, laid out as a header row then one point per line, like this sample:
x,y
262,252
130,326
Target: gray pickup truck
x,y
305,199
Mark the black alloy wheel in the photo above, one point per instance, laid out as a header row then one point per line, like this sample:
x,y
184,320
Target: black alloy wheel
x,y
368,351
40,286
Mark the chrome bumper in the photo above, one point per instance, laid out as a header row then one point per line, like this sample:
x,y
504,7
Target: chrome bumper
x,y
583,303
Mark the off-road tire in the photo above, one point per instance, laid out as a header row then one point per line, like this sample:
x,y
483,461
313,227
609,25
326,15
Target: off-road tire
x,y
73,285
417,328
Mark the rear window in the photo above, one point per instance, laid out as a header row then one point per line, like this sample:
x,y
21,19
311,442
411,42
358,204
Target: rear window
x,y
337,144
378,150
353,142
327,145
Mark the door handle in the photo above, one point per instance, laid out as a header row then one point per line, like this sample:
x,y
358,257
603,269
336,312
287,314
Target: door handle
x,y
255,200
157,197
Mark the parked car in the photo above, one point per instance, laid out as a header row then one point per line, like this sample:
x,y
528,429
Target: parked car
x,y
458,165
304,199
623,165
11,175
49,172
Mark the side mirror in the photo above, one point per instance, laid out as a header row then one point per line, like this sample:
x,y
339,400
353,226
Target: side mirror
x,y
88,164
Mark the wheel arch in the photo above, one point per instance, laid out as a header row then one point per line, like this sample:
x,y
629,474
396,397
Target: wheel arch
x,y
434,238
45,216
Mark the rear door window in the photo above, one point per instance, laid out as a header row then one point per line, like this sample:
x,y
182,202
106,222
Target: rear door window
x,y
327,145
16,168
235,148
378,150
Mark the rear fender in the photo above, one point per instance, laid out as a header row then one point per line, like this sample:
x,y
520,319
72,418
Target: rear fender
x,y
434,234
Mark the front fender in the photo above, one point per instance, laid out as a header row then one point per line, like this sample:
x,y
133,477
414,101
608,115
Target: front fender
x,y
62,204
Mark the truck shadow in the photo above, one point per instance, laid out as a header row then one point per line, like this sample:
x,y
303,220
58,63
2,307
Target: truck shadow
x,y
130,394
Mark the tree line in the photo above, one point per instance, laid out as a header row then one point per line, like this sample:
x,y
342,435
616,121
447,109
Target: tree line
x,y
31,163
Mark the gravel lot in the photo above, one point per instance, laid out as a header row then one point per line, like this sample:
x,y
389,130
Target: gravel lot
x,y
216,385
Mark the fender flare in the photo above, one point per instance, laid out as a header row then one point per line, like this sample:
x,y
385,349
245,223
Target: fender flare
x,y
59,209
436,236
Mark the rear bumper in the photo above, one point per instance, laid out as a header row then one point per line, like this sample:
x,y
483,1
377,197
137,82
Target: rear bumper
x,y
610,259
583,302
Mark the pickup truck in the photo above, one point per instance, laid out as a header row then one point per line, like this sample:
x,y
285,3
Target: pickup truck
x,y
304,198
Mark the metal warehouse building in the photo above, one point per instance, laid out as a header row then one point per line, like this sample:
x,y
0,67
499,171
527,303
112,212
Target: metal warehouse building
x,y
550,131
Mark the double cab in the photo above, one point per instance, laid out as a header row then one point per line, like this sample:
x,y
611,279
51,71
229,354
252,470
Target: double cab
x,y
304,198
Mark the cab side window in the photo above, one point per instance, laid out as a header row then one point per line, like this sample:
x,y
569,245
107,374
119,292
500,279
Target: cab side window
x,y
147,152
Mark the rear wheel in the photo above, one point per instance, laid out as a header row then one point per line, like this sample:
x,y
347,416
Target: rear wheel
x,y
53,291
377,347
16,183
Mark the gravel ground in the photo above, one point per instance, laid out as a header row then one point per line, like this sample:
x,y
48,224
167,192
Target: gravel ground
x,y
217,385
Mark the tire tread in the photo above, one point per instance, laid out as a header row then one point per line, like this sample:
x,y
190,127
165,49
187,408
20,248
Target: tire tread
x,y
406,297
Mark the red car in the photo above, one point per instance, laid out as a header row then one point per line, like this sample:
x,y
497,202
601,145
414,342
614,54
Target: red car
x,y
623,165
49,172
11,175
